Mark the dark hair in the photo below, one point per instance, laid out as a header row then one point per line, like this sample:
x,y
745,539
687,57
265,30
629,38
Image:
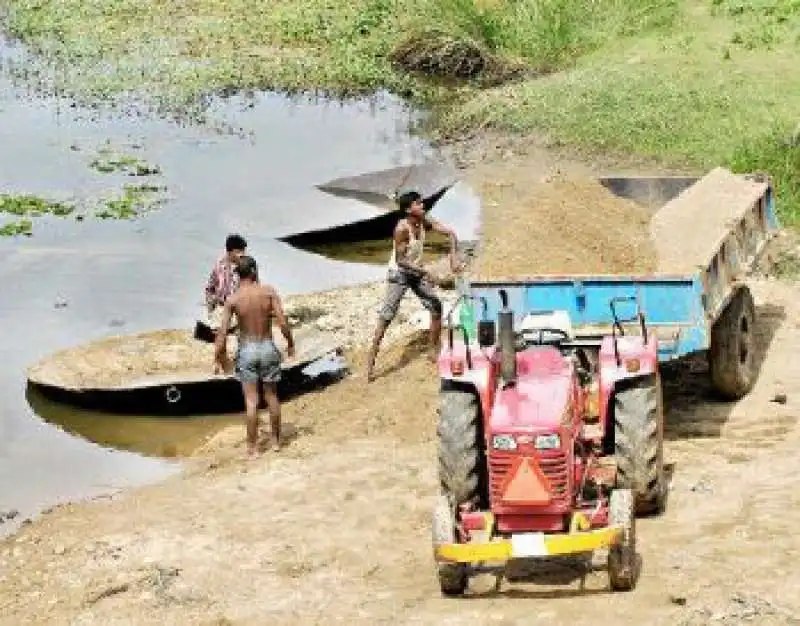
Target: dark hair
x,y
247,267
404,201
235,242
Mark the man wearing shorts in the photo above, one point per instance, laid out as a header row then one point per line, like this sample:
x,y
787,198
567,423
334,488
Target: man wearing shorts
x,y
406,272
257,356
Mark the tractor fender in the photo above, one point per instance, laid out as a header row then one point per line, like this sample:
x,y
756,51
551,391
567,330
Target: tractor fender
x,y
637,359
478,379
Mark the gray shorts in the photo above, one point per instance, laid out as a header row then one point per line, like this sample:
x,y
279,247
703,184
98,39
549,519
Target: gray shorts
x,y
258,360
396,285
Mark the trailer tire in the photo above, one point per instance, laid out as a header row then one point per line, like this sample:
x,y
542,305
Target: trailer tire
x,y
461,459
453,577
622,558
731,354
639,443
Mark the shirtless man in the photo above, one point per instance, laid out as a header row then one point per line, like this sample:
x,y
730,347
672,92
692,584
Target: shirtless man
x,y
406,272
257,357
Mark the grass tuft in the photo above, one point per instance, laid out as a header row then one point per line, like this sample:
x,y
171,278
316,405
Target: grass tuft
x,y
778,155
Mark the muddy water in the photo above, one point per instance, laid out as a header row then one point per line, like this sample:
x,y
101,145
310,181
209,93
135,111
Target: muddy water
x,y
76,281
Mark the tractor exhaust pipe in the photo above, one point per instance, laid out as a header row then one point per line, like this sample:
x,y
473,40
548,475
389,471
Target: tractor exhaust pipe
x,y
505,324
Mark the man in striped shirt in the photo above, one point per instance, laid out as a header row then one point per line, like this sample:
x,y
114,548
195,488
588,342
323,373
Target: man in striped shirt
x,y
223,280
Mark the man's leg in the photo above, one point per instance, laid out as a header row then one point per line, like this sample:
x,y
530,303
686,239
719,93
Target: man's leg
x,y
394,295
246,369
274,408
270,375
424,291
251,412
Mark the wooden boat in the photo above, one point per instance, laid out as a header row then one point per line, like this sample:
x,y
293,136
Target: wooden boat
x,y
166,372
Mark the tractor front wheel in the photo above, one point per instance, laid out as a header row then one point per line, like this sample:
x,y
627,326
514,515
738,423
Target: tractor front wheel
x,y
639,443
622,563
461,467
453,577
731,354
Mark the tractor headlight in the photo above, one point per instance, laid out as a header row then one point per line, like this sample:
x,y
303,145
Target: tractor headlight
x,y
548,442
504,442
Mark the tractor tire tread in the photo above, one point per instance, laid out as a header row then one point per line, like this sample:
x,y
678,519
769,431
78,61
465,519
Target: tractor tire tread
x,y
638,445
460,458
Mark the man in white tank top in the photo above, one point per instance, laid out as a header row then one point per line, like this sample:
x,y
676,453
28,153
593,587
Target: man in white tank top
x,y
405,271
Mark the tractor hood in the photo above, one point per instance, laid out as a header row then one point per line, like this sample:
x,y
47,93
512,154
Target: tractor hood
x,y
539,397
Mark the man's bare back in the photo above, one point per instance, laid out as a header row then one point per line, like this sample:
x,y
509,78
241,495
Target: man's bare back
x,y
255,305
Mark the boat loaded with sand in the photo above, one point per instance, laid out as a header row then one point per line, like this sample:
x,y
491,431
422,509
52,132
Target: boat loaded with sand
x,y
167,372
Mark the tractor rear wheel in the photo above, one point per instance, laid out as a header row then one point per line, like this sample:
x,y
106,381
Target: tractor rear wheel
x,y
638,443
622,556
731,358
461,467
453,577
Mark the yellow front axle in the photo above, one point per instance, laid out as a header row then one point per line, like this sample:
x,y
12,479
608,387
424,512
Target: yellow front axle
x,y
529,545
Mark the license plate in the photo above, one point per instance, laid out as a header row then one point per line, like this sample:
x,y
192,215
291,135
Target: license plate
x,y
528,544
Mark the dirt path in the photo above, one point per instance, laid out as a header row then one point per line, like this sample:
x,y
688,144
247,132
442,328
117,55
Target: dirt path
x,y
335,529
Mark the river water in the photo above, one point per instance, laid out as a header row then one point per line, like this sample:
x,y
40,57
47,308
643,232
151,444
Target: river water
x,y
75,281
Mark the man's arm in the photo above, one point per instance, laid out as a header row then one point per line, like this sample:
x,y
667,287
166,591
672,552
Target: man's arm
x,y
280,318
446,230
401,245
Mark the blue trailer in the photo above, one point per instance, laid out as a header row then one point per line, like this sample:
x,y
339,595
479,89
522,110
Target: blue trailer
x,y
699,302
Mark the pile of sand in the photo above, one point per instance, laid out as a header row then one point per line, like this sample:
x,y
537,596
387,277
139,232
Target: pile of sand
x,y
561,227
689,231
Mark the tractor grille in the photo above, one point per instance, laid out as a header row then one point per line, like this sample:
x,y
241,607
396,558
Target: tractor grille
x,y
553,464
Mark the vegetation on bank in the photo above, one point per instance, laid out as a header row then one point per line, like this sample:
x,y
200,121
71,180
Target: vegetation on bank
x,y
690,82
19,211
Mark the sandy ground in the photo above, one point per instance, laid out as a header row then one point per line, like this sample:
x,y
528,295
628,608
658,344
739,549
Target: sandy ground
x,y
335,528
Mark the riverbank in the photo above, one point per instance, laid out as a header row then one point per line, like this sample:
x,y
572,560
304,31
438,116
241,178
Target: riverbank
x,y
690,83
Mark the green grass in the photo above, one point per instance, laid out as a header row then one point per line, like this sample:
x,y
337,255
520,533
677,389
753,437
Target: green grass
x,y
134,201
694,83
24,209
179,50
124,164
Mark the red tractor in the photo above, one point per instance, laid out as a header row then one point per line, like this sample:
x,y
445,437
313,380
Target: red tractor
x,y
547,446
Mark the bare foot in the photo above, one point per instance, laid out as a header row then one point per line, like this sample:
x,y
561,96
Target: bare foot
x,y
276,444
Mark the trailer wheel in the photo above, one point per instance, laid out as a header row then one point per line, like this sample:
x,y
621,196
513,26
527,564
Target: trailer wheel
x,y
622,563
461,461
638,443
731,358
453,577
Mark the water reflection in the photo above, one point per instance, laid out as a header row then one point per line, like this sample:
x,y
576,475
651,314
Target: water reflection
x,y
156,436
